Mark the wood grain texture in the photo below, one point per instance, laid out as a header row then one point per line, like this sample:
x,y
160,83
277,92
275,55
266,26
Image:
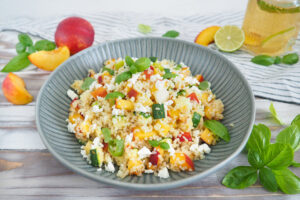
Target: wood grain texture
x,y
42,177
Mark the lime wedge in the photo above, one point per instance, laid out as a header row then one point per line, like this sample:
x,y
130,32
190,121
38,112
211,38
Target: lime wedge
x,y
263,5
229,38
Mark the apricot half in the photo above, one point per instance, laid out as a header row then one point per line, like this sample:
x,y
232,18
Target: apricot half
x,y
49,60
14,90
206,36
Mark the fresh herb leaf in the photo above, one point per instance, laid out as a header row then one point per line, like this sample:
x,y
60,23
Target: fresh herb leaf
x,y
218,129
153,59
296,120
274,114
17,63
164,145
204,85
107,135
278,156
123,77
116,147
142,64
277,60
86,83
267,179
290,59
114,95
196,119
110,71
169,75
25,39
31,49
263,60
133,69
20,48
146,115
158,111
240,177
129,61
119,65
295,164
254,159
287,181
44,45
153,143
290,135
178,67
171,34
181,93
145,29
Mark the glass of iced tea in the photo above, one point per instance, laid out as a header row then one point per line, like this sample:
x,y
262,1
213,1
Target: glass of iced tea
x,y
271,26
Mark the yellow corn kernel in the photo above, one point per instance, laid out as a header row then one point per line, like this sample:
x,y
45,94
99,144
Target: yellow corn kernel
x,y
138,133
208,110
135,165
124,104
75,118
162,128
85,126
204,98
174,113
88,146
208,137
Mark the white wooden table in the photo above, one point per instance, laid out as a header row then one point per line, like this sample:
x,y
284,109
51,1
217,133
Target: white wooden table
x,y
29,171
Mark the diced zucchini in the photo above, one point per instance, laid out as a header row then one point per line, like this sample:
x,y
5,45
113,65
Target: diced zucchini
x,y
158,111
96,157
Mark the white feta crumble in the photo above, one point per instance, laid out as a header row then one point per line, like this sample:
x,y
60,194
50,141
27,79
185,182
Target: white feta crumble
x,y
96,143
133,79
140,108
190,80
144,153
116,111
194,147
162,94
93,85
72,94
163,173
195,89
97,109
171,150
110,167
155,77
205,148
210,97
167,103
71,127
109,86
128,138
99,169
149,171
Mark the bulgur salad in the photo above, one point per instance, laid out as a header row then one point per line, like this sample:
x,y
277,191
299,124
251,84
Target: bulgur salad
x,y
144,116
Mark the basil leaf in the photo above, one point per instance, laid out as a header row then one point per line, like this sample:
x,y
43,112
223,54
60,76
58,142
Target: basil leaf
x,y
178,67
196,119
153,143
44,45
254,159
204,85
17,63
259,139
278,156
218,128
142,64
287,181
240,177
123,77
129,61
86,83
31,49
20,48
290,135
119,65
295,164
133,69
110,71
290,59
277,60
114,95
106,133
181,93
116,147
263,60
169,75
144,28
171,34
296,120
164,145
153,59
25,39
274,114
267,179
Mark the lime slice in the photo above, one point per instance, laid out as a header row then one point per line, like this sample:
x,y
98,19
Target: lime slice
x,y
229,38
266,6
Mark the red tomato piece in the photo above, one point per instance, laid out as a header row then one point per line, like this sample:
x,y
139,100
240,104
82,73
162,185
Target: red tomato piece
x,y
185,136
189,161
154,158
149,72
193,97
132,93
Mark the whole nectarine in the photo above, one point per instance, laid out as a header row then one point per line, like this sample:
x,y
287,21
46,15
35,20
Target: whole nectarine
x,y
74,32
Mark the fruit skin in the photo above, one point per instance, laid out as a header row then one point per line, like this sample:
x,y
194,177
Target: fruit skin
x,y
76,33
14,90
206,36
49,60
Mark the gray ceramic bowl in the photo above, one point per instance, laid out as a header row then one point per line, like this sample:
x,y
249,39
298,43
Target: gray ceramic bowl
x,y
227,83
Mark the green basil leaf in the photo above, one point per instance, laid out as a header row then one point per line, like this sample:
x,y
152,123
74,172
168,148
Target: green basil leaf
x,y
153,59
123,77
240,177
106,134
196,119
181,93
290,59
254,159
25,39
142,64
133,69
153,143
17,63
290,135
204,85
110,71
116,147
287,181
263,60
218,129
129,61
178,67
296,120
277,60
164,145
86,83
145,29
267,179
119,65
44,45
295,164
114,95
171,34
259,139
274,114
169,75
20,48
31,49
278,156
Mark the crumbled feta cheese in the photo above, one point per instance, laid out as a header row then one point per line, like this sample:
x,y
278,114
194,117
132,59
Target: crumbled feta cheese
x,y
93,85
140,108
109,87
191,80
205,148
149,171
171,150
163,173
110,167
155,77
144,153
194,147
72,94
71,127
99,169
133,79
97,109
195,89
116,111
166,104
210,97
96,143
128,138
162,94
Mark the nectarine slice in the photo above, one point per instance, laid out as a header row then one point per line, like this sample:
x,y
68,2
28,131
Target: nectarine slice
x,y
206,36
49,60
14,90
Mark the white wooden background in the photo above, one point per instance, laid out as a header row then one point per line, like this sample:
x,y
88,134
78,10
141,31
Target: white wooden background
x,y
29,171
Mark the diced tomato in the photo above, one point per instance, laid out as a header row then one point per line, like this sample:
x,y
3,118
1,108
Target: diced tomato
x,y
132,93
189,162
149,72
154,158
185,136
100,79
200,78
105,146
99,92
193,97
